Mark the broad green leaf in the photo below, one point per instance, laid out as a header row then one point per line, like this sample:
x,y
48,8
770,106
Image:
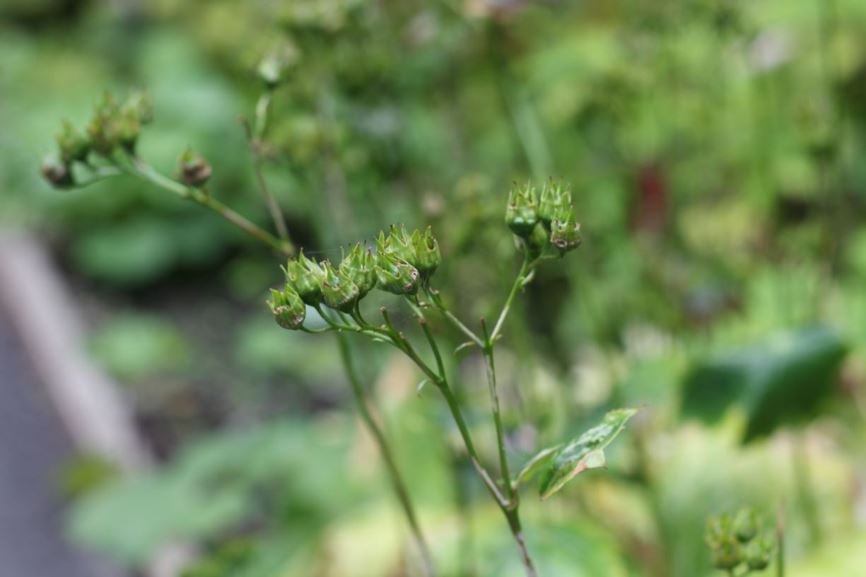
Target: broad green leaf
x,y
776,382
586,452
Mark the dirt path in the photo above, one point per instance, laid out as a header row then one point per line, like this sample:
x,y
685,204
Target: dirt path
x,y
33,448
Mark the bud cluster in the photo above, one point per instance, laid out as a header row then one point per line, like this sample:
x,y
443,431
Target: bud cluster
x,y
545,219
739,540
400,264
112,126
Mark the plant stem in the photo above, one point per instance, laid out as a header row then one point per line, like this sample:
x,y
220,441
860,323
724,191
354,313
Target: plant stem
x,y
508,503
436,299
254,138
490,367
518,284
143,170
387,454
780,542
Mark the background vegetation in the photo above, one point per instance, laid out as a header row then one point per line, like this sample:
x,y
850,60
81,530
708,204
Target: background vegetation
x,y
714,150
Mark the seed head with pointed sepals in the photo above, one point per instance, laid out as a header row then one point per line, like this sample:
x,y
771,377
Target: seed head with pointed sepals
x,y
554,197
72,144
360,267
287,307
565,230
428,255
521,214
339,291
58,174
192,169
306,276
102,131
398,243
395,275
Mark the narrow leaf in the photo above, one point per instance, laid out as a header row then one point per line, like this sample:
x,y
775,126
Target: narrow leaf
x,y
586,452
535,464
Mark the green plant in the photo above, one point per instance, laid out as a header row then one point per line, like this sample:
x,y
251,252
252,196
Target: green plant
x,y
740,545
403,264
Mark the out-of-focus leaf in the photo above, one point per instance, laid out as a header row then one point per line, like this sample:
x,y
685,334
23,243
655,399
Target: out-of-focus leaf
x,y
134,347
586,452
776,382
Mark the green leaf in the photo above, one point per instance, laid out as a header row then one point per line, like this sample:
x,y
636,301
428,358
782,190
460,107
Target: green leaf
x,y
779,381
535,464
586,452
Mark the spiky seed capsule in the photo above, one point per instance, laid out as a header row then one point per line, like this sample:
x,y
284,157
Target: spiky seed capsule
x,y
427,253
565,230
338,290
398,243
102,131
746,525
72,144
521,213
554,197
58,174
395,275
140,104
193,169
287,307
273,67
360,268
306,277
758,553
538,241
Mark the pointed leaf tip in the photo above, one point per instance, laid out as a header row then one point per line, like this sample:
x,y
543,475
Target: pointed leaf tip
x,y
585,452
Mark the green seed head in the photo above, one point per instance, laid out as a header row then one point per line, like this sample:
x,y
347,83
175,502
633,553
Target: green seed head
x,y
538,241
306,277
521,213
565,230
140,105
395,275
360,268
745,525
73,145
338,290
193,170
428,255
287,307
58,174
758,553
554,197
102,131
398,243
127,127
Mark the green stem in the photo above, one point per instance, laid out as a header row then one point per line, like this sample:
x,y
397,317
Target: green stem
x,y
780,542
436,299
490,366
387,454
522,275
142,170
255,142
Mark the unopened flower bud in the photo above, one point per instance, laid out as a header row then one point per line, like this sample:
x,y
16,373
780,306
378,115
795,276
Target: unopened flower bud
x,y
338,290
360,268
746,525
521,214
427,253
193,169
73,145
565,231
287,307
306,276
554,197
395,275
58,174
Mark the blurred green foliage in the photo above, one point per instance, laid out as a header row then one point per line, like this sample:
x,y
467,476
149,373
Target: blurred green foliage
x,y
714,148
